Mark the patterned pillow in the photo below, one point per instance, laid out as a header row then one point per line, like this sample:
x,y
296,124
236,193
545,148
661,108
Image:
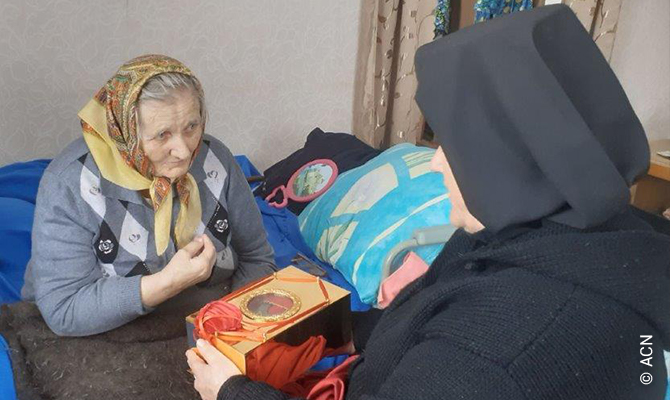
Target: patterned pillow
x,y
370,209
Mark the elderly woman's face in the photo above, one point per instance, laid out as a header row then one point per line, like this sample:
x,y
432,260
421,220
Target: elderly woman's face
x,y
170,132
460,215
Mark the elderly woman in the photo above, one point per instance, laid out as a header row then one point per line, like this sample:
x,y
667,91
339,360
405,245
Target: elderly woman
x,y
144,207
551,285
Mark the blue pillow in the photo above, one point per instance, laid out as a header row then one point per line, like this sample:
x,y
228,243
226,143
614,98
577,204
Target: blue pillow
x,y
370,209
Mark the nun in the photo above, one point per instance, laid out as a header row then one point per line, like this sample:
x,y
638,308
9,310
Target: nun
x,y
552,288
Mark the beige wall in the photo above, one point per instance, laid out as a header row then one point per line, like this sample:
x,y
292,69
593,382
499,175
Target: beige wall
x,y
641,60
272,70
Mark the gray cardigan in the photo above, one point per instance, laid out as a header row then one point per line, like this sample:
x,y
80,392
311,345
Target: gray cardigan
x,y
92,240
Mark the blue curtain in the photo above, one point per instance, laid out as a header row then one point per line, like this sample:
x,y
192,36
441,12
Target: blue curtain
x,y
442,16
487,9
484,10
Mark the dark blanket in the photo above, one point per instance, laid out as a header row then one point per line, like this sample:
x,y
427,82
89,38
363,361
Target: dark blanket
x,y
141,360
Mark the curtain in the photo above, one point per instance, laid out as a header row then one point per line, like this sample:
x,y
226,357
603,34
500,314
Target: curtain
x,y
488,9
391,31
599,17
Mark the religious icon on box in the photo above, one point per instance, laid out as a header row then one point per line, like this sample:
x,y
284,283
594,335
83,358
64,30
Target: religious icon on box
x,y
270,305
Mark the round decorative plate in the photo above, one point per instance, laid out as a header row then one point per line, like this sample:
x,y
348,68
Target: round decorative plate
x,y
268,305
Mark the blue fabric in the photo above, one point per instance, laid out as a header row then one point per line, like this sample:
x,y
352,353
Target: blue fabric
x,y
487,9
18,190
442,17
7,391
370,209
484,10
329,362
20,180
15,230
247,167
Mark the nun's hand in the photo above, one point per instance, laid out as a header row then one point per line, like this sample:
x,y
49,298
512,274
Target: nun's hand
x,y
212,372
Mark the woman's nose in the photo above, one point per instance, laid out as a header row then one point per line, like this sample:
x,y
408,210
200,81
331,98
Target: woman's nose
x,y
179,149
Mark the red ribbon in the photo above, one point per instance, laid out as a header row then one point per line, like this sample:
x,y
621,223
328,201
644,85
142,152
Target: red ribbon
x,y
217,316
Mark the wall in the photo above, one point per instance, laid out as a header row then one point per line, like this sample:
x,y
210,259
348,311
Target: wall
x,y
272,70
641,60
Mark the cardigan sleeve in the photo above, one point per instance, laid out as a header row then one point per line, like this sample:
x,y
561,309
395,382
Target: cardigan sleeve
x,y
70,290
255,257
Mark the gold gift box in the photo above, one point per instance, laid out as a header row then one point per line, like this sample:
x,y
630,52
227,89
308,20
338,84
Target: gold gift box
x,y
317,308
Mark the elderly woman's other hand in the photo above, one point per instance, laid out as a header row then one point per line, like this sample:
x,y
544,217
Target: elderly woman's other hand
x,y
190,265
212,372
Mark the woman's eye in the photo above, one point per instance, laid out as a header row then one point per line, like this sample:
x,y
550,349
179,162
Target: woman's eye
x,y
162,135
192,126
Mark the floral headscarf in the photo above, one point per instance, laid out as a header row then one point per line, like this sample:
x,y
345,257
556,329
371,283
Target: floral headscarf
x,y
110,131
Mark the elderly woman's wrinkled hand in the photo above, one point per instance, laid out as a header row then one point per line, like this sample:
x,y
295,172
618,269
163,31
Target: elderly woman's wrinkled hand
x,y
192,264
211,371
